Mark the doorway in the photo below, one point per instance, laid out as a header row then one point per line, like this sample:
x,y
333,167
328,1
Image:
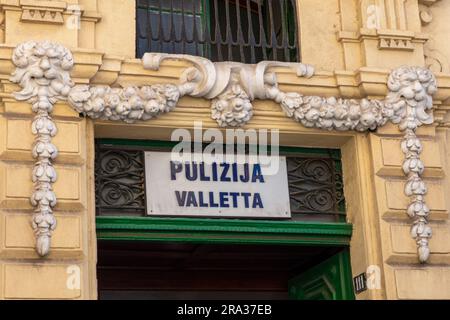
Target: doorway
x,y
180,271
141,256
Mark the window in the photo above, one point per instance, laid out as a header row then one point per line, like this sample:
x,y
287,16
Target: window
x,y
245,31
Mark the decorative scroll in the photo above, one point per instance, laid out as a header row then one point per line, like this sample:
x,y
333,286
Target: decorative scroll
x,y
231,87
42,70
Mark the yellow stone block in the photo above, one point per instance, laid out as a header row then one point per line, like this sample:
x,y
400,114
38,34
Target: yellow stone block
x,y
20,185
68,184
68,138
18,181
118,20
396,199
19,136
42,281
37,31
423,283
393,155
402,243
19,233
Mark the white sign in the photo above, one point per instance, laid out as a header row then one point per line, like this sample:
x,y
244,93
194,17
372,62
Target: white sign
x,y
216,188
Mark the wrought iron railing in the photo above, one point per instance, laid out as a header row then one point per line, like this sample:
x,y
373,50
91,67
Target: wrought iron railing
x,y
245,31
315,183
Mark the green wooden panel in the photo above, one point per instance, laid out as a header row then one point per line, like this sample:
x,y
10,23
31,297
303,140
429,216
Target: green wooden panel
x,y
223,231
290,151
330,280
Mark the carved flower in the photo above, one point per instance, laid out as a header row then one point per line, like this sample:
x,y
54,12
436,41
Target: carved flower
x,y
367,121
418,208
152,107
415,186
421,230
44,197
341,110
43,126
112,100
412,144
129,92
354,111
311,118
327,109
44,222
123,108
44,149
316,102
291,102
44,172
413,165
78,96
147,93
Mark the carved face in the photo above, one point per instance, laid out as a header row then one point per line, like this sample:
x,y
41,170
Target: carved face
x,y
412,82
411,89
42,65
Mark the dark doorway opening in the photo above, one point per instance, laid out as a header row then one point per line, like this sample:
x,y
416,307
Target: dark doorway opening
x,y
169,270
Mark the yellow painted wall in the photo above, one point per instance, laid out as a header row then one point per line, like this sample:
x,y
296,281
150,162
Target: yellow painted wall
x,y
352,58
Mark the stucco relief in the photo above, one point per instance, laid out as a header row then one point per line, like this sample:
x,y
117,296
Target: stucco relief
x,y
434,58
43,72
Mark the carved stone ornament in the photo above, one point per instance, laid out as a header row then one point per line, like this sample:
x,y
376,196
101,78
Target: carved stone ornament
x,y
43,72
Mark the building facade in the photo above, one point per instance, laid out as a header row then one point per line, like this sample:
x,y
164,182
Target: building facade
x,y
367,79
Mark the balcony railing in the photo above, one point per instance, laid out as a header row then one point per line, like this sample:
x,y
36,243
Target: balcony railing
x,y
245,31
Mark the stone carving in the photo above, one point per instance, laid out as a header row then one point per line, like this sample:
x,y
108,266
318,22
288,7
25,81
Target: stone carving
x,y
411,89
43,73
395,43
44,15
42,70
425,13
129,104
231,87
434,58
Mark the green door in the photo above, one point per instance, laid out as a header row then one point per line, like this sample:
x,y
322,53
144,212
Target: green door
x,y
329,280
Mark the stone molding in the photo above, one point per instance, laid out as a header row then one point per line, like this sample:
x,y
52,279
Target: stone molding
x,y
43,72
49,11
402,40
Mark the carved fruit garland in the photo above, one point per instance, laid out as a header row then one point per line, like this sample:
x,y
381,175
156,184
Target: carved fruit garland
x,y
43,73
411,90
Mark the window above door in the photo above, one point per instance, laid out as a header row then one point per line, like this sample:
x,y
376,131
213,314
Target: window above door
x,y
247,31
314,180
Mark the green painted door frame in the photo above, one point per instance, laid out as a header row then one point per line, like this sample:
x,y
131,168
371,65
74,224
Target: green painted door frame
x,y
223,231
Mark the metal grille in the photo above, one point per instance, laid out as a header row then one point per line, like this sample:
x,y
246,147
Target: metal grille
x,y
315,184
119,181
245,31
